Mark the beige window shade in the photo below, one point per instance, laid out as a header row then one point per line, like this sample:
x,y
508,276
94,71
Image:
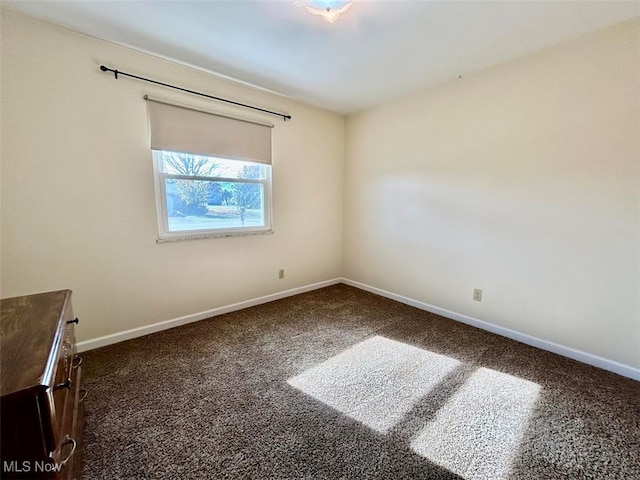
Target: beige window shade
x,y
183,129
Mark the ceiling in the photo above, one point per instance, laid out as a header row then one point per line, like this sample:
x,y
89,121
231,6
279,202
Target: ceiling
x,y
376,51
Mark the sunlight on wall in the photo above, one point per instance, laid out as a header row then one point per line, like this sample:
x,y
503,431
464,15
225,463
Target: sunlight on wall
x,y
477,432
375,382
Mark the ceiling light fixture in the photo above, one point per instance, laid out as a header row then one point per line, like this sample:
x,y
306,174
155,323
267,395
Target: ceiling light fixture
x,y
329,10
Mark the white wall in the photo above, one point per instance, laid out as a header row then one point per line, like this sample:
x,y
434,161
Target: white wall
x,y
521,180
78,208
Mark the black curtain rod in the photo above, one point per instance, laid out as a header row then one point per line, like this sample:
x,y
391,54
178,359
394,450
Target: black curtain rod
x,y
284,116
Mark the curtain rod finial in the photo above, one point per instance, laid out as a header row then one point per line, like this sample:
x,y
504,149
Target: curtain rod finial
x,y
107,69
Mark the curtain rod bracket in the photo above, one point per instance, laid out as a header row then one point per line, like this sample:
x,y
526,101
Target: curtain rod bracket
x,y
284,116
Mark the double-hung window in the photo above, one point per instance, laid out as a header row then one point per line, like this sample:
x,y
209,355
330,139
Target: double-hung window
x,y
212,173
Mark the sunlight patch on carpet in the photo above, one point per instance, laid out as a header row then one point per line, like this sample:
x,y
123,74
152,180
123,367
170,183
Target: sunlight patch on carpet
x,y
375,382
477,432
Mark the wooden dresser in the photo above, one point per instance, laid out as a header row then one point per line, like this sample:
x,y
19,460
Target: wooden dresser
x,y
41,409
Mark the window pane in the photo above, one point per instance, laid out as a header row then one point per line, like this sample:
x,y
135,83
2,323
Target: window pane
x,y
211,205
177,163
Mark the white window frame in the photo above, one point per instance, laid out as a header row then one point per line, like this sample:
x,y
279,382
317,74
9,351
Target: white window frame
x,y
164,235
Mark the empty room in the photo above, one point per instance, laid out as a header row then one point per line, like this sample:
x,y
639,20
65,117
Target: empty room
x,y
320,239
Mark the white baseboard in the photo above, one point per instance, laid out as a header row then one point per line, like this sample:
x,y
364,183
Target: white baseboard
x,y
176,322
569,352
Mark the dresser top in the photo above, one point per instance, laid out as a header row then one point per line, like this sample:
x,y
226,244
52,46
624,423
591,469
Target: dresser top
x,y
30,333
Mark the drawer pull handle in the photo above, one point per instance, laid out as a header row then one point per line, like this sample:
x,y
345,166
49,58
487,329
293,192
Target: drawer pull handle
x,y
79,359
75,320
84,392
68,441
66,384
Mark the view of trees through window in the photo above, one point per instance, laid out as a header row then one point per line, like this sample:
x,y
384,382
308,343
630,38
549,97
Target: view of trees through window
x,y
220,193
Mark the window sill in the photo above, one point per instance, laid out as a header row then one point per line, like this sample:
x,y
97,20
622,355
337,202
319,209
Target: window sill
x,y
202,236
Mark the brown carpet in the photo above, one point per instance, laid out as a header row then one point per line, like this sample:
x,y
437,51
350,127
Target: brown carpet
x,y
339,383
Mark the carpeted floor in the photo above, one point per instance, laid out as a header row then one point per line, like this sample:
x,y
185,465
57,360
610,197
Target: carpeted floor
x,y
339,383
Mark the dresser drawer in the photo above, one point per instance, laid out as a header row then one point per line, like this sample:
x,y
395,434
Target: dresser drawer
x,y
59,394
64,381
68,452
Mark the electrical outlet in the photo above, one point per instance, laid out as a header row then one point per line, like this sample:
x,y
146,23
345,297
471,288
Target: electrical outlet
x,y
477,294
281,273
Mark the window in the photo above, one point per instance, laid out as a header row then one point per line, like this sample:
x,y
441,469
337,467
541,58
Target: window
x,y
212,172
205,196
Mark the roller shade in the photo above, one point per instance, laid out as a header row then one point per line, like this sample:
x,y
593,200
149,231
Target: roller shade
x,y
182,129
